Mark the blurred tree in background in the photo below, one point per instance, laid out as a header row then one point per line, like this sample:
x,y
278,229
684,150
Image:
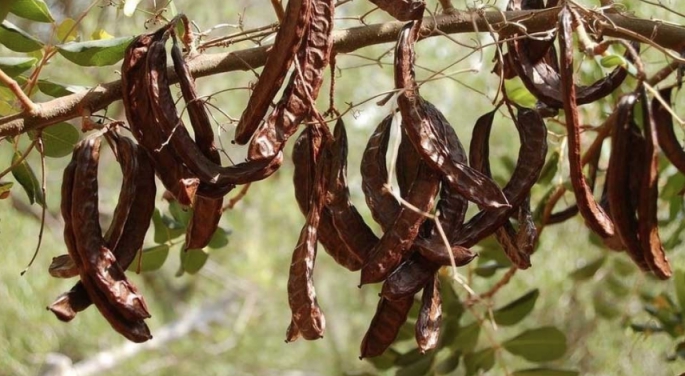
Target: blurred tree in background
x,y
580,309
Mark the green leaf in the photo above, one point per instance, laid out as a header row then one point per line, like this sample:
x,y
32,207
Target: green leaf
x,y
679,282
16,39
453,308
538,345
673,187
647,328
95,52
57,90
34,10
549,170
58,140
488,268
192,261
613,61
517,310
27,179
588,270
467,338
545,372
410,357
152,259
385,360
5,188
616,286
518,93
180,214
14,66
481,360
66,31
449,364
420,367
219,239
624,267
166,228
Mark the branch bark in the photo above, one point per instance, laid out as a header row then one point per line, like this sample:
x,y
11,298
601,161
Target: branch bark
x,y
347,40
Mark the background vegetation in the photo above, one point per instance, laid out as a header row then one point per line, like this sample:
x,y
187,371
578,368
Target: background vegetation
x,y
231,316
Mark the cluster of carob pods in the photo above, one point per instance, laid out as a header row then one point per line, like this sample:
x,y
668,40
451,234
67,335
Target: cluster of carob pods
x,y
433,172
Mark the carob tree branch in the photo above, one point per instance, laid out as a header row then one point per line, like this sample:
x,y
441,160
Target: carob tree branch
x,y
347,40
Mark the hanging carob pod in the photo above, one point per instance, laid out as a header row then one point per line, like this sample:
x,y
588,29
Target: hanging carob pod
x,y
144,124
307,317
419,122
299,96
206,211
427,329
541,75
132,217
286,44
215,180
648,226
102,277
668,141
595,217
531,159
621,206
305,155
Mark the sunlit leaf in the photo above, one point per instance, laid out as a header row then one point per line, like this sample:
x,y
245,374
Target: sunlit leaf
x,y
193,260
34,10
57,90
517,310
25,176
613,61
14,66
16,39
481,360
538,345
166,228
100,34
518,93
58,140
152,259
130,7
545,372
95,52
67,31
588,270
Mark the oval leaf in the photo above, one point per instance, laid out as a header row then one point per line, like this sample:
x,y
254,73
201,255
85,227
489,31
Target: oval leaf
x,y
193,260
34,10
421,366
59,139
679,281
481,360
27,179
448,365
219,239
466,338
545,372
95,52
588,270
166,228
150,259
57,90
5,7
612,61
14,66
16,39
538,345
517,310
